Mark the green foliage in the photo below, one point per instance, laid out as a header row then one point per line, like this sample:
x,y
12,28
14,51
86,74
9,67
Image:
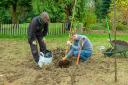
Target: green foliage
x,y
17,9
121,27
4,16
105,8
53,7
98,4
97,26
102,8
81,9
121,11
58,10
90,18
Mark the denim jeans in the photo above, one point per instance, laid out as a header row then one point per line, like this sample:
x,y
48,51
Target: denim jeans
x,y
84,54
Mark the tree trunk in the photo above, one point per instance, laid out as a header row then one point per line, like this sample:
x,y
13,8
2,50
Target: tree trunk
x,y
14,14
68,9
68,12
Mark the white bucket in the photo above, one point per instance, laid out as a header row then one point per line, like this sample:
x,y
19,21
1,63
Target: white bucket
x,y
44,60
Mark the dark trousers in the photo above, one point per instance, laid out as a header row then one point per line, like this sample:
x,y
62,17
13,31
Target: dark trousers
x,y
34,49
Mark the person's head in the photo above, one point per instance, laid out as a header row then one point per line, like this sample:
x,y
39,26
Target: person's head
x,y
45,17
74,36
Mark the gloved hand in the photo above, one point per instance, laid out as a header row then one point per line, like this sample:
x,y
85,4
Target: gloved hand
x,y
69,43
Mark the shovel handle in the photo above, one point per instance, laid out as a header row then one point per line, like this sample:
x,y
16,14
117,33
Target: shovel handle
x,y
78,58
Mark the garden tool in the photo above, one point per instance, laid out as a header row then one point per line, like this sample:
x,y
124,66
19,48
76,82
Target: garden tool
x,y
78,57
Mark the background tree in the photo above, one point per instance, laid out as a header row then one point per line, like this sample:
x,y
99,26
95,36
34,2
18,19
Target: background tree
x,y
16,8
105,8
98,4
102,8
122,14
53,7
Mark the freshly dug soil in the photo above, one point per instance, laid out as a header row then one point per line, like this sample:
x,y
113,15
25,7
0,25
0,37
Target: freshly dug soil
x,y
64,64
120,42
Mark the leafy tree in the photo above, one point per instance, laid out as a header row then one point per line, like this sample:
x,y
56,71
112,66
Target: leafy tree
x,y
102,8
122,9
16,7
53,7
105,8
121,14
98,4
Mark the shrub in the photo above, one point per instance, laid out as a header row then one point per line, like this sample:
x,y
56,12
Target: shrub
x,y
97,26
121,27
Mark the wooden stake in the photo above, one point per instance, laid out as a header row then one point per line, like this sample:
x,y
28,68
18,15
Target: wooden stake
x,y
114,26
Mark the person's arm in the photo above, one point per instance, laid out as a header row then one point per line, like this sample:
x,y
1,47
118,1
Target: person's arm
x,y
76,47
45,31
31,30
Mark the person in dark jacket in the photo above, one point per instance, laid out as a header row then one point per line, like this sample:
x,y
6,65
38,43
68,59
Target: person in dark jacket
x,y
37,30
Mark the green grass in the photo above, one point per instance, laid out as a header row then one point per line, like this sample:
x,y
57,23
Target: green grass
x,y
97,40
59,41
93,37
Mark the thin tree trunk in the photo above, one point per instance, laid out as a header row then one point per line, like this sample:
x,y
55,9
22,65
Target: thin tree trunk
x,y
68,13
68,10
14,14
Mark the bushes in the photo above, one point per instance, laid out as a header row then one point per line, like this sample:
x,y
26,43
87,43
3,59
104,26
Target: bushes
x,y
121,27
101,26
97,26
89,19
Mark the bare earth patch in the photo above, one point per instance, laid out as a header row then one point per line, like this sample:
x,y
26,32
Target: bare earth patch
x,y
17,68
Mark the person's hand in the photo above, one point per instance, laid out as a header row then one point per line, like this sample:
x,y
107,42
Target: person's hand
x,y
69,43
64,58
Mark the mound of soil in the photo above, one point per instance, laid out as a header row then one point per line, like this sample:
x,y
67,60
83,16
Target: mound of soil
x,y
64,64
58,54
120,42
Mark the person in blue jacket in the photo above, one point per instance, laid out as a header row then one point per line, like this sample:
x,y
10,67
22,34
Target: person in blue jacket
x,y
37,30
80,44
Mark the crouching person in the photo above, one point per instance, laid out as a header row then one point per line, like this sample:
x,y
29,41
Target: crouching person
x,y
37,30
80,44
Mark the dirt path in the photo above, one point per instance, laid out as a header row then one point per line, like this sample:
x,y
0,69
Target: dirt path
x,y
17,68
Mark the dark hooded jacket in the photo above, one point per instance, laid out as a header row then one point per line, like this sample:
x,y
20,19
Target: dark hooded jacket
x,y
37,28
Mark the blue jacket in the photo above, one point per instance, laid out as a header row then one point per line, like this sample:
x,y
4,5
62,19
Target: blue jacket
x,y
82,42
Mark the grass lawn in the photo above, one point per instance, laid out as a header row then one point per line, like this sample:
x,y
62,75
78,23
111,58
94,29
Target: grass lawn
x,y
97,40
59,41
